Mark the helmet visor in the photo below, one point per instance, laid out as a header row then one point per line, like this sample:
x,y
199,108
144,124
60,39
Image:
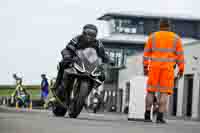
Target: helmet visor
x,y
90,34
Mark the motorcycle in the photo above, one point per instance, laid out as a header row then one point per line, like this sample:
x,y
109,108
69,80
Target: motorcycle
x,y
81,78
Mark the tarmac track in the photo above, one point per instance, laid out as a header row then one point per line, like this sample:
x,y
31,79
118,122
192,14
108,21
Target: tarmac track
x,y
39,121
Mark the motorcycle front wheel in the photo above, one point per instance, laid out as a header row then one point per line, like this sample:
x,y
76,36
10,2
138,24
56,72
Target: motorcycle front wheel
x,y
76,106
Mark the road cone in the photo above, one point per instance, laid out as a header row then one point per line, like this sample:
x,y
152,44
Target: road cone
x,y
30,106
17,106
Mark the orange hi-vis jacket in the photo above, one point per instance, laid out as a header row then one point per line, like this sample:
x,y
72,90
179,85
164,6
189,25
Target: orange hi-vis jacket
x,y
162,51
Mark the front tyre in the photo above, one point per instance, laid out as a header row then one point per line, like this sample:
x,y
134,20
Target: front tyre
x,y
78,103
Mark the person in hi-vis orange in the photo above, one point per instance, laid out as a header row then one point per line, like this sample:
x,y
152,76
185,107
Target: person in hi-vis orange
x,y
162,52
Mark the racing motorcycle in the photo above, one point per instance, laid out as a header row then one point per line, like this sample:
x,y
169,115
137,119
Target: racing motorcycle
x,y
81,78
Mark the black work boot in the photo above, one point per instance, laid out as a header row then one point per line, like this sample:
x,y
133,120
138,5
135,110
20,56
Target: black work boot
x,y
147,116
160,119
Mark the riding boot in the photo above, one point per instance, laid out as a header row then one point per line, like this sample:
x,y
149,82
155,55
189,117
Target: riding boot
x,y
59,92
59,77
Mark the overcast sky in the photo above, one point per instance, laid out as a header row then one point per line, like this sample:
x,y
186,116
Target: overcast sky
x,y
32,33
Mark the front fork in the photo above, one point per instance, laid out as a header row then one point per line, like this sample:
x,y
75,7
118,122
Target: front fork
x,y
76,87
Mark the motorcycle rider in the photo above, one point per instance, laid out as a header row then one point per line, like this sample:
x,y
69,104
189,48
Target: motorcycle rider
x,y
20,91
19,88
85,40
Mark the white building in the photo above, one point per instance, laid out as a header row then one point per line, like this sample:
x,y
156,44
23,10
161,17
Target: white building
x,y
125,44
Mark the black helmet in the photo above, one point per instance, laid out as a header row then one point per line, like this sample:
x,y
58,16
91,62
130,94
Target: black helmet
x,y
90,26
89,33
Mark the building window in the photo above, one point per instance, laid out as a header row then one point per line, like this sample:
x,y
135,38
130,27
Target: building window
x,y
185,29
118,56
130,52
125,26
140,28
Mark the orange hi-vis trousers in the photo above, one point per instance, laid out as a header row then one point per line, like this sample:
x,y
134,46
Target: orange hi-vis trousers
x,y
160,80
